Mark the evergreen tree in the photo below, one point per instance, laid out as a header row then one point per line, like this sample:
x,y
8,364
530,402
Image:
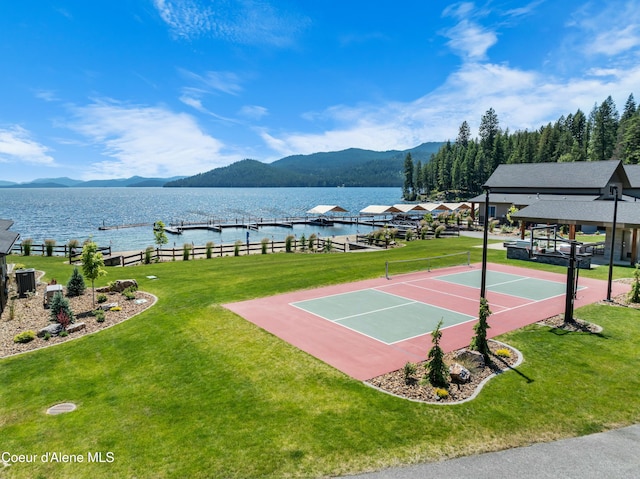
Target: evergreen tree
x,y
437,372
75,285
479,341
604,131
464,135
60,305
408,188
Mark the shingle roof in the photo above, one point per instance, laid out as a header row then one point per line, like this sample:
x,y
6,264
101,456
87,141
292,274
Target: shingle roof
x,y
528,199
583,174
7,238
582,212
633,173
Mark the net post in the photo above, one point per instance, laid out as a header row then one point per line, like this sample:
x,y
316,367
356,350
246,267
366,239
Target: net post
x,y
468,258
386,270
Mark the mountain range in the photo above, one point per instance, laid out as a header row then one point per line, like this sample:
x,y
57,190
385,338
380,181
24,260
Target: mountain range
x,y
64,182
351,167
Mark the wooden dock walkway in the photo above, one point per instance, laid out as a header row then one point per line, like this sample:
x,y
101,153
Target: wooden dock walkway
x,y
254,224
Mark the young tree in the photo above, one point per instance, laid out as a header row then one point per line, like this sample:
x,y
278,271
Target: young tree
x,y
159,233
479,341
437,372
92,265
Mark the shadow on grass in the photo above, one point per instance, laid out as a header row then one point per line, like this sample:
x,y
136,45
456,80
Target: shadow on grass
x,y
504,367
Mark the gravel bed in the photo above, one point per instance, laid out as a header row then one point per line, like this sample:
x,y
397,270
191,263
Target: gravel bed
x,y
30,314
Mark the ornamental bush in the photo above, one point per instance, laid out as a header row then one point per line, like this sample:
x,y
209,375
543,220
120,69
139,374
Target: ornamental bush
x,y
60,304
437,371
24,337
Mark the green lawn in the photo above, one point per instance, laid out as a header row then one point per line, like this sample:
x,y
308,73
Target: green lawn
x,y
188,389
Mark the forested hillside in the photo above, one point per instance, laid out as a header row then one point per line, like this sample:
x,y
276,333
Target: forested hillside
x,y
459,169
351,167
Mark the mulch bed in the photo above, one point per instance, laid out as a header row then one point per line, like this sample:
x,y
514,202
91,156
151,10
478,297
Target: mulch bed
x,y
417,389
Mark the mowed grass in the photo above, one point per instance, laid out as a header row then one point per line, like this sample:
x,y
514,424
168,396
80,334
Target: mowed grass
x,y
188,389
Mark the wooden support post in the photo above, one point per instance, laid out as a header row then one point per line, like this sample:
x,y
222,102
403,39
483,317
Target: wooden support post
x,y
572,232
634,246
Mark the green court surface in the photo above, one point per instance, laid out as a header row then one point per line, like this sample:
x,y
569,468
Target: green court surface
x,y
511,284
382,316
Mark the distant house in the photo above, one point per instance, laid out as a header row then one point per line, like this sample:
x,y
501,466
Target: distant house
x,y
575,194
7,240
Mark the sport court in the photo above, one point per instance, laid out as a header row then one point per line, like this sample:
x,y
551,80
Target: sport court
x,y
373,327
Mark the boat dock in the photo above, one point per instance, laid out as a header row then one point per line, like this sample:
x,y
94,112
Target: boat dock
x,y
254,224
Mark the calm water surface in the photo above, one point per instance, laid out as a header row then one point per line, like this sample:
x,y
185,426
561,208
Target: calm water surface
x,y
66,213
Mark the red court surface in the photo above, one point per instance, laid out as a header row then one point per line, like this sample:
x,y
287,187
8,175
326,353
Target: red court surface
x,y
362,357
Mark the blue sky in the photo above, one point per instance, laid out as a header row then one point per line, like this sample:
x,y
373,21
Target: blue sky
x,y
112,89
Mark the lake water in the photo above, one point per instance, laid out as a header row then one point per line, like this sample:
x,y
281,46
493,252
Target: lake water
x,y
66,213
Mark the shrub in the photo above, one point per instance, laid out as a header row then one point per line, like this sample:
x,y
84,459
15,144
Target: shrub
x,y
408,236
209,249
102,298
634,294
438,231
73,245
115,308
47,336
328,245
60,304
75,285
63,333
49,244
408,371
130,292
288,241
148,255
63,319
26,246
303,242
263,245
236,248
312,242
441,393
186,250
503,353
24,337
99,315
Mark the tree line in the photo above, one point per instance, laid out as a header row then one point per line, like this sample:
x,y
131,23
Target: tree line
x,y
460,168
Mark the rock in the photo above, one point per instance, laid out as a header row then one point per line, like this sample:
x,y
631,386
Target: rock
x,y
118,286
53,329
459,374
474,359
72,328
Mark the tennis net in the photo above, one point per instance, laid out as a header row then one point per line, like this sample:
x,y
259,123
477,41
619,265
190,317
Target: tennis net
x,y
426,264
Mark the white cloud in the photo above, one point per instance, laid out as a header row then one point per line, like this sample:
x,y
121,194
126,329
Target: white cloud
x,y
253,112
248,22
467,37
16,145
147,141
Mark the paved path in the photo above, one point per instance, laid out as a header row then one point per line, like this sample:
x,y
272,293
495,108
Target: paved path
x,y
613,455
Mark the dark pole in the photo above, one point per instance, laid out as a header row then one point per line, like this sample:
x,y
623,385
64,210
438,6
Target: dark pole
x,y
613,240
568,305
485,241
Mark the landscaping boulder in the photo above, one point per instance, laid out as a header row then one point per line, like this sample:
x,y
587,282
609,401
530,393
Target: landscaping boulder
x,y
459,374
118,286
53,329
473,359
72,328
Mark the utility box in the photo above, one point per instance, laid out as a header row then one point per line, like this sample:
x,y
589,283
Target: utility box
x,y
52,289
26,281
